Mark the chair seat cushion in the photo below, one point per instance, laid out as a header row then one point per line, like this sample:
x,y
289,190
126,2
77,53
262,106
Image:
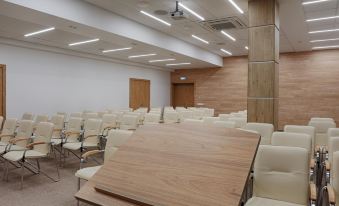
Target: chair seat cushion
x,y
56,141
18,155
258,201
77,145
87,173
13,147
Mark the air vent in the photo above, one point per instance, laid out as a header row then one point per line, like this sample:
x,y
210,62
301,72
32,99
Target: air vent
x,y
224,24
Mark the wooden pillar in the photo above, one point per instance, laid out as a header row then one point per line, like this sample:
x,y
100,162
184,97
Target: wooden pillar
x,y
263,66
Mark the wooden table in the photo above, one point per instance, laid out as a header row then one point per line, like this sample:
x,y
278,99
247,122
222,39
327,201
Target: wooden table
x,y
175,165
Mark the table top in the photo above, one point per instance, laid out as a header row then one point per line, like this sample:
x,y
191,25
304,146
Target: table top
x,y
175,164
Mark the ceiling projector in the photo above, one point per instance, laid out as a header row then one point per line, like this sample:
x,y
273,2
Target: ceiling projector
x,y
177,14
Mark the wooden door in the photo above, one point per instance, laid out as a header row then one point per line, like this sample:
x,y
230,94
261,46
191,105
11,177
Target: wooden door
x,y
139,93
3,90
183,95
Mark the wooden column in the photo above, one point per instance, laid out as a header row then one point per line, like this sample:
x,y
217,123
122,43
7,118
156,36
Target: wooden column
x,y
263,66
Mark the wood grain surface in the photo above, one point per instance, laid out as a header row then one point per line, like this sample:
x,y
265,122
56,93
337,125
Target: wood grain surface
x,y
177,164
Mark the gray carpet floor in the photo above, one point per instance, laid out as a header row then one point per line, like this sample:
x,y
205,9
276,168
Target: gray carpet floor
x,y
38,189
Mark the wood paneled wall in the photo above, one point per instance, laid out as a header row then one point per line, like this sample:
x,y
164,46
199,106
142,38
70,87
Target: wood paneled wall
x,y
309,86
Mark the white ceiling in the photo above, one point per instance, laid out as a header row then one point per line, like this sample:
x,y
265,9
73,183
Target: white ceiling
x,y
294,35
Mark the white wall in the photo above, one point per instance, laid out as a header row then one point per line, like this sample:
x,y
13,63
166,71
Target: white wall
x,y
44,82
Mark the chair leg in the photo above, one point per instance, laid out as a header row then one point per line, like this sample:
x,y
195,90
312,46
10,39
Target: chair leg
x,y
5,176
78,202
57,165
22,173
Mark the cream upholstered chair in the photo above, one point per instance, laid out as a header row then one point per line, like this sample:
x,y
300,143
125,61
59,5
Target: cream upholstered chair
x,y
76,114
280,177
210,120
115,139
8,130
225,124
322,119
240,122
333,147
321,128
92,115
290,139
193,121
304,130
109,121
264,129
208,112
224,117
185,114
152,118
39,118
21,139
129,122
198,113
40,148
90,138
171,117
333,187
58,121
27,116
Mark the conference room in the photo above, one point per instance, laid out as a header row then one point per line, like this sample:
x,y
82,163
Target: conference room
x,y
169,103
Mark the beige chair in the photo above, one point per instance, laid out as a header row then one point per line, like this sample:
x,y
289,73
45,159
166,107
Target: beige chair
x,y
198,113
38,119
240,122
321,128
129,122
27,116
304,130
21,138
333,147
89,140
152,118
322,119
333,187
264,129
171,117
115,139
109,121
185,114
193,121
8,130
280,177
76,114
210,120
58,121
225,124
40,148
92,115
290,139
224,117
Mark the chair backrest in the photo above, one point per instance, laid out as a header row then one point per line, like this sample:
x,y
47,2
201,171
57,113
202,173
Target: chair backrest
x,y
92,127
335,174
76,114
58,121
115,139
322,119
101,114
240,122
225,124
224,117
129,122
108,120
27,116
282,173
198,113
8,129
302,129
290,139
40,118
62,114
185,114
171,117
264,129
152,118
210,120
74,125
333,146
1,121
321,128
43,133
25,130
92,115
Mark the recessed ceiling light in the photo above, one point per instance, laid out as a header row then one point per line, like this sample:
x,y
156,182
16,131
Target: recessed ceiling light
x,y
314,2
156,18
246,47
323,31
39,32
114,50
325,47
225,51
83,42
324,18
192,12
141,55
177,64
229,36
161,60
322,40
236,6
200,39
